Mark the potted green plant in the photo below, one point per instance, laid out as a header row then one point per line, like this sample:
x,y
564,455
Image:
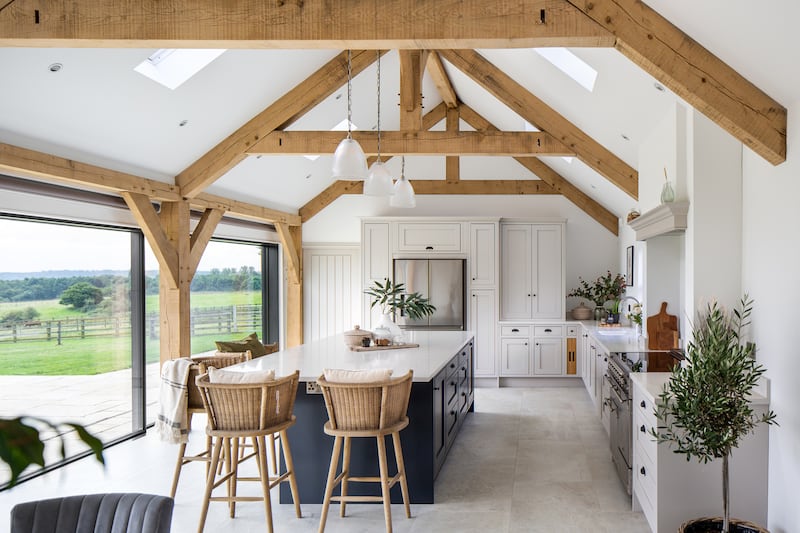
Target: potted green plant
x,y
391,297
606,287
705,406
21,444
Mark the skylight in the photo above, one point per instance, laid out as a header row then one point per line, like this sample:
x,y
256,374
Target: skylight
x,y
342,126
171,67
571,65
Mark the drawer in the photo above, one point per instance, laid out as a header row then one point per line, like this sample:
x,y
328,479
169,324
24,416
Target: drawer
x,y
645,498
430,237
644,406
572,331
515,331
645,473
548,331
643,439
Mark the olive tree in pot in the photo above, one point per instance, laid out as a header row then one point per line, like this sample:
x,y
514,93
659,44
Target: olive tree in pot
x,y
705,407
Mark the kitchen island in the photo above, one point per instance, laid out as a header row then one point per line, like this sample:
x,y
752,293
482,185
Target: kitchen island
x,y
441,396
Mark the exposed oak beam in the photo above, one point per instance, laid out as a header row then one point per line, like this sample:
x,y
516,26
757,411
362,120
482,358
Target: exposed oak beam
x,y
441,80
150,224
592,208
327,197
694,74
38,165
336,24
412,65
535,111
429,120
513,187
291,252
452,166
201,235
415,142
283,112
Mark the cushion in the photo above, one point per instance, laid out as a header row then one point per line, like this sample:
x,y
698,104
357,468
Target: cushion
x,y
250,342
231,377
357,376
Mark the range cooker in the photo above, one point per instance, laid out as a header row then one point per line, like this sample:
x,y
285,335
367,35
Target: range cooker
x,y
620,365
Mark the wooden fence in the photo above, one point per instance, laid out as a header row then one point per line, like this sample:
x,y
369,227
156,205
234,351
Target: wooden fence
x,y
204,321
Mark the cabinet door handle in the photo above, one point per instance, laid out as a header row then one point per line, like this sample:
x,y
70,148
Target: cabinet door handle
x,y
548,330
429,247
473,279
642,429
642,404
436,388
605,359
514,330
526,344
452,365
529,296
534,295
642,470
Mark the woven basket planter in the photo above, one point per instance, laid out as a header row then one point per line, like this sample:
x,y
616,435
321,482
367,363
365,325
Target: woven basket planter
x,y
713,525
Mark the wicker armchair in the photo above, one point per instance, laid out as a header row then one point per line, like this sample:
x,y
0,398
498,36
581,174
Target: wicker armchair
x,y
253,411
373,410
195,405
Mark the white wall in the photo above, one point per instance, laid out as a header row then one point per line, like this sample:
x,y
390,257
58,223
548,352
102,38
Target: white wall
x,y
591,249
770,259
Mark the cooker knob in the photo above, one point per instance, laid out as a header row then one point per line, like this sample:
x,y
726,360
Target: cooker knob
x,y
642,429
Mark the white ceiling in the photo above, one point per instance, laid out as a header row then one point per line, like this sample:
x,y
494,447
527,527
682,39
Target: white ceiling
x,y
98,110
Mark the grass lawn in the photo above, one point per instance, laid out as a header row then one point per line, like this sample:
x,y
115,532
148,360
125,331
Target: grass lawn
x,y
48,309
93,355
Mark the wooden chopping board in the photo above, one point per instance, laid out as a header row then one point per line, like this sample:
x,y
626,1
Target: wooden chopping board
x,y
662,330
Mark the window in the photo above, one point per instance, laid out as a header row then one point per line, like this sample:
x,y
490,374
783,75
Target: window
x,y
70,333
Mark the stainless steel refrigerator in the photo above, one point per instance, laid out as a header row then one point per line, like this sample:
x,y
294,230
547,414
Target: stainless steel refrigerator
x,y
439,280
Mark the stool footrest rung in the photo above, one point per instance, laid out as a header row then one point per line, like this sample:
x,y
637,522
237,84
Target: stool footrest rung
x,y
356,499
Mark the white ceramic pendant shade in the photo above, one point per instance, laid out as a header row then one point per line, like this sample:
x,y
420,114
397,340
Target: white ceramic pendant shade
x,y
349,161
379,181
403,195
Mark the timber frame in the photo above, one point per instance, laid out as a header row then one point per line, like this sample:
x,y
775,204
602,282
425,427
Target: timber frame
x,y
424,37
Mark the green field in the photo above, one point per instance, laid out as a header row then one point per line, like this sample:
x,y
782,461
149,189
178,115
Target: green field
x,y
95,355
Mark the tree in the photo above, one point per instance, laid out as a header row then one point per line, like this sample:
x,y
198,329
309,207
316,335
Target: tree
x,y
81,295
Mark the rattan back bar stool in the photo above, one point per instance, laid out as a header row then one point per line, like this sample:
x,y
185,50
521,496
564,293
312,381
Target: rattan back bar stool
x,y
194,405
357,410
248,410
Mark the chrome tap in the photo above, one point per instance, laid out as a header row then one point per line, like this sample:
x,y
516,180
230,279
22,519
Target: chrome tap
x,y
629,298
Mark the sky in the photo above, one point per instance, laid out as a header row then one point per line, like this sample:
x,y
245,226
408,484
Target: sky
x,y
34,247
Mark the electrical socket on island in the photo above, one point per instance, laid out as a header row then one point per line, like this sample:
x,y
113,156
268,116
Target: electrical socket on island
x,y
312,387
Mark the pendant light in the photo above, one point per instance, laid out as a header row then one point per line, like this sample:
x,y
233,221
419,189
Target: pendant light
x,y
379,181
349,162
403,195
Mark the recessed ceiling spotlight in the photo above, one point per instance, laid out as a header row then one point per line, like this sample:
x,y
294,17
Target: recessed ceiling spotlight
x,y
308,176
182,123
659,87
55,67
339,96
625,137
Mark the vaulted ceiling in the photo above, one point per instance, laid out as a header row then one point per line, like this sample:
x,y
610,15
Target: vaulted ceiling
x,y
284,73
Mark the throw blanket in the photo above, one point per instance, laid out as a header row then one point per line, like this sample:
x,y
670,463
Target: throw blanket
x,y
171,423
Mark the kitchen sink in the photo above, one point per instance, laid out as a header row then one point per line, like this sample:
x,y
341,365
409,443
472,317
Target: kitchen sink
x,y
614,332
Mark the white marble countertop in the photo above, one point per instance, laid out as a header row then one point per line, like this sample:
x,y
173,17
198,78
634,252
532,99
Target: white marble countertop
x,y
435,349
652,383
621,339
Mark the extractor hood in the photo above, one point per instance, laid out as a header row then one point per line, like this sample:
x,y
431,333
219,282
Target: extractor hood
x,y
666,219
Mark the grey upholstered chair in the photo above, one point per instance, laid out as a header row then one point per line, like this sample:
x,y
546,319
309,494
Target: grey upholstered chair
x,y
113,513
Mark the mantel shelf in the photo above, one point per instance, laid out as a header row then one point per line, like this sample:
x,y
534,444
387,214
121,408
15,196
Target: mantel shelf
x,y
666,219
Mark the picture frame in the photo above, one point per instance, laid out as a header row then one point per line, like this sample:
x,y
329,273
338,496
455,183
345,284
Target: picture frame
x,y
629,267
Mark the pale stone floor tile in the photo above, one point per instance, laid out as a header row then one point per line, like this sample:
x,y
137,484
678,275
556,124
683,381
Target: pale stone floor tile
x,y
528,460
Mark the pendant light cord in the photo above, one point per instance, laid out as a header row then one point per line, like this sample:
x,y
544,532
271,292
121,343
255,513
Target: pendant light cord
x,y
349,93
402,168
378,53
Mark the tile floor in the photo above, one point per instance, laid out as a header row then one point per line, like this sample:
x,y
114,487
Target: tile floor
x,y
528,460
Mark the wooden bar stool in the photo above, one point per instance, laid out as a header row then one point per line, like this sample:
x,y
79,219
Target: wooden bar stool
x,y
374,409
248,410
194,405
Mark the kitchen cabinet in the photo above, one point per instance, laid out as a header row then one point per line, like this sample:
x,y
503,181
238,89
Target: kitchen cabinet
x,y
670,490
532,271
431,237
482,254
515,356
548,356
572,354
603,390
453,398
376,265
483,322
